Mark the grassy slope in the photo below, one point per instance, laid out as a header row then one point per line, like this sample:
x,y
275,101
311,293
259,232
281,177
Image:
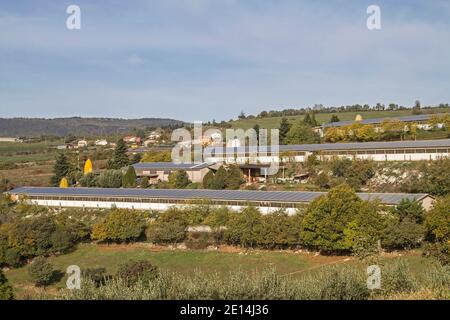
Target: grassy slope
x,y
270,123
188,261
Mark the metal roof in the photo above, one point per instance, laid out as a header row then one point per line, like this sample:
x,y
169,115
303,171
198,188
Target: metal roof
x,y
191,194
169,166
420,117
442,143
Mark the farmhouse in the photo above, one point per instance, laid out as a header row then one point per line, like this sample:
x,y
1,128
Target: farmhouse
x,y
377,151
159,171
161,199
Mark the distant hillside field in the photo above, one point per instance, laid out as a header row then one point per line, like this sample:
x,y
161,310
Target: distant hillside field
x,y
274,122
32,127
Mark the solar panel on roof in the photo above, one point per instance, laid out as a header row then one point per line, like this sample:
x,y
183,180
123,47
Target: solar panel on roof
x,y
186,194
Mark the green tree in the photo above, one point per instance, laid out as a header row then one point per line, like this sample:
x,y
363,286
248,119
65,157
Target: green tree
x,y
410,209
179,179
169,227
437,221
6,291
208,180
335,221
285,126
244,228
334,118
120,225
219,178
110,179
88,180
41,272
129,178
256,128
60,169
301,133
120,158
234,178
280,230
144,182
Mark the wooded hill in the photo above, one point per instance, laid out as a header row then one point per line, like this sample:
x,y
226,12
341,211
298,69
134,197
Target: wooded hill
x,y
31,127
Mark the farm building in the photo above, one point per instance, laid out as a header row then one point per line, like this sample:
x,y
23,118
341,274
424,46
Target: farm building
x,y
377,151
159,171
161,199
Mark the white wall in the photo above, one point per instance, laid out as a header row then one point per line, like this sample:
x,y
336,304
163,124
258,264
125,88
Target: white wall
x,y
133,205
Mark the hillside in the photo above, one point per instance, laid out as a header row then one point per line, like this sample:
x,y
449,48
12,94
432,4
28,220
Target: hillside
x,y
274,122
30,127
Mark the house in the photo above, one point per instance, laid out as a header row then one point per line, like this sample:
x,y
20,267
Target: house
x,y
10,139
101,142
159,171
82,144
132,139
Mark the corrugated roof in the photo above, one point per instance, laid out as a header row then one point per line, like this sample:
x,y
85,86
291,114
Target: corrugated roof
x,y
443,143
420,117
187,194
169,166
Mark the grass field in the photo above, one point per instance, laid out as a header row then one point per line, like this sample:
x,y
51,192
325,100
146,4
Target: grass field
x,y
269,123
189,261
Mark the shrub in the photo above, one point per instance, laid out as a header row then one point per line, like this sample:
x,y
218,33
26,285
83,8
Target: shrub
x,y
169,227
40,271
120,225
344,284
244,228
179,179
110,179
145,183
97,275
88,180
133,271
404,234
6,291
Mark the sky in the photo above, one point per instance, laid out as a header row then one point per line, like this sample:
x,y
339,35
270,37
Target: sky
x,y
211,59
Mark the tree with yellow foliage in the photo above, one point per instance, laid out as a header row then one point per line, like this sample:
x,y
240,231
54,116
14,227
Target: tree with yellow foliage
x,y
87,167
64,183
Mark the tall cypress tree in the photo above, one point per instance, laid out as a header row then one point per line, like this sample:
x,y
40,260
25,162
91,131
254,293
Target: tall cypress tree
x,y
60,169
120,158
284,129
129,178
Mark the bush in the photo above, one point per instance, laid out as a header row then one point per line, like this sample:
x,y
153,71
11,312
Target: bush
x,y
343,284
134,271
404,234
120,225
6,291
244,228
41,272
199,240
88,180
97,275
169,227
145,183
110,179
179,179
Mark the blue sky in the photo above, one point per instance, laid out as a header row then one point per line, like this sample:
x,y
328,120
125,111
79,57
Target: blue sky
x,y
210,59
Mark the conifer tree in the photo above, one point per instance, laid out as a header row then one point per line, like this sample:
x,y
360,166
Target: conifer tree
x,y
129,178
60,169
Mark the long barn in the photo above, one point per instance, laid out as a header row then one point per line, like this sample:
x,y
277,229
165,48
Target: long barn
x,y
377,151
161,199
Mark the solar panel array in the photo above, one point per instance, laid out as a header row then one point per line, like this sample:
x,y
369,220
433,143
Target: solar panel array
x,y
169,166
420,117
443,143
225,195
